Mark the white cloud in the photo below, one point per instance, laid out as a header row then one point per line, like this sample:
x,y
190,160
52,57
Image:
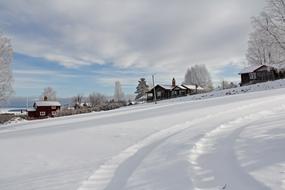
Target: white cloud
x,y
164,35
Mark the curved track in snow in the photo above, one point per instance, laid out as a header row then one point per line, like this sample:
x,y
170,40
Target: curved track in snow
x,y
213,163
206,144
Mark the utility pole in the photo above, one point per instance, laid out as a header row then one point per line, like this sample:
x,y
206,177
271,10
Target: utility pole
x,y
154,92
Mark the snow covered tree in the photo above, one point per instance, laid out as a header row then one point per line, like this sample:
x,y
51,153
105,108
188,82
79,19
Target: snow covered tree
x,y
142,88
267,41
275,16
198,75
118,94
262,47
6,55
48,94
77,100
97,99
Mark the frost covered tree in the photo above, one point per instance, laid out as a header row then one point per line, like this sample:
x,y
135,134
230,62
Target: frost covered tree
x,y
77,100
262,47
198,75
48,94
142,88
275,15
6,55
96,99
118,93
267,41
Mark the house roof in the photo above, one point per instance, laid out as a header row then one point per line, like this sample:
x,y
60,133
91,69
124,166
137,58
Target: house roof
x,y
47,103
193,87
252,69
180,86
31,109
183,87
167,87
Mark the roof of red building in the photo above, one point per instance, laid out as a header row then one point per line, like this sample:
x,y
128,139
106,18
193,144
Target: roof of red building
x,y
47,103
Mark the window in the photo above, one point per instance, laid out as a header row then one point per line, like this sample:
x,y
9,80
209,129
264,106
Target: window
x,y
53,107
158,93
42,113
252,75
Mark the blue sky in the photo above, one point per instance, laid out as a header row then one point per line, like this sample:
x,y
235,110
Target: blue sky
x,y
85,46
32,74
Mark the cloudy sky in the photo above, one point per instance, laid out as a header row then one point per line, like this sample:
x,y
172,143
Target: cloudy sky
x,y
85,46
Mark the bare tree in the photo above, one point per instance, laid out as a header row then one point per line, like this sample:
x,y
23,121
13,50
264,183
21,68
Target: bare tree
x,y
275,16
198,75
118,94
77,100
97,99
48,94
267,41
6,55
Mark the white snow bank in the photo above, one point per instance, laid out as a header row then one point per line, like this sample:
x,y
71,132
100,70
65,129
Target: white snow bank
x,y
270,85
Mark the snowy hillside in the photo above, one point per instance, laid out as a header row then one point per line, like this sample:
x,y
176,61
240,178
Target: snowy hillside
x,y
232,142
239,90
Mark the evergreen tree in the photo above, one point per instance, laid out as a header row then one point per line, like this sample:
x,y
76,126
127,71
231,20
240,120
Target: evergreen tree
x,y
142,88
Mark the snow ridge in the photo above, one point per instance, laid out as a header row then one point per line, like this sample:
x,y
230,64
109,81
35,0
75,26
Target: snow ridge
x,y
206,159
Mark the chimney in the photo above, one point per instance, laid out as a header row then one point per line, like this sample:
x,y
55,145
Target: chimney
x,y
45,98
173,82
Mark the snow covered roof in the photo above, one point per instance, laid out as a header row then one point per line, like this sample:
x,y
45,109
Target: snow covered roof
x,y
193,87
47,103
251,69
167,87
181,87
31,109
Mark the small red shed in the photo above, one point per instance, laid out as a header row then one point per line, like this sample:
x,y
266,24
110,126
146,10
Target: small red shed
x,y
42,109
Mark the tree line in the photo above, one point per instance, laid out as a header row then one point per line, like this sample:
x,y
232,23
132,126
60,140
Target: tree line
x,y
93,102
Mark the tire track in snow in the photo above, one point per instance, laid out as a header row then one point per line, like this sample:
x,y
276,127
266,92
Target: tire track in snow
x,y
104,176
213,160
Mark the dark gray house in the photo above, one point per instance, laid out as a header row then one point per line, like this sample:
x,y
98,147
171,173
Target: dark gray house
x,y
172,91
257,74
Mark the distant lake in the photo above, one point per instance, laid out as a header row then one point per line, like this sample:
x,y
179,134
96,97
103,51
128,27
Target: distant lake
x,y
12,110
21,102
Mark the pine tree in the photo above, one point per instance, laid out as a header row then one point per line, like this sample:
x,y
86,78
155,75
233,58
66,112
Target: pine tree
x,y
142,88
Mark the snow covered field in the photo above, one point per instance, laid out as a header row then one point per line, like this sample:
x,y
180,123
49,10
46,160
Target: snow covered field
x,y
234,142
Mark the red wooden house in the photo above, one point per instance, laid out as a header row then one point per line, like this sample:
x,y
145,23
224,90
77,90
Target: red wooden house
x,y
43,109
